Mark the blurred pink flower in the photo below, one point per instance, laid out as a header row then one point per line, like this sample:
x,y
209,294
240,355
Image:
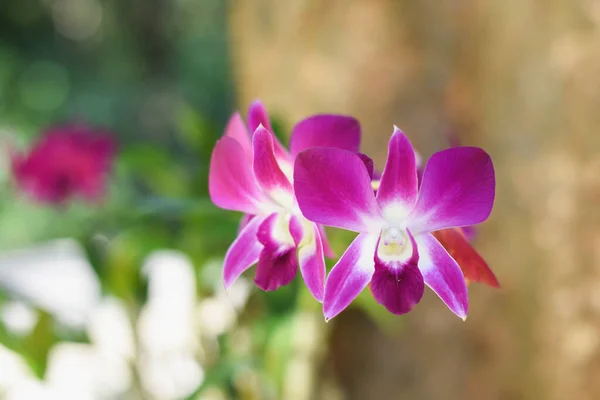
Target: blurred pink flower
x,y
67,161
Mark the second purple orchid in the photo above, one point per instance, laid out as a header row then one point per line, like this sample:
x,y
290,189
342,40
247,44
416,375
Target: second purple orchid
x,y
251,172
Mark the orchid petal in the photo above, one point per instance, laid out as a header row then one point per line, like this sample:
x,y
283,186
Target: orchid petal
x,y
333,188
236,129
368,164
350,275
246,218
458,189
296,229
231,183
257,115
324,130
398,187
266,168
327,250
312,264
473,266
442,274
277,262
243,252
469,231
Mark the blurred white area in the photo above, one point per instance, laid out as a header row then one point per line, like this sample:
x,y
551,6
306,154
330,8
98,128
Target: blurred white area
x,y
110,329
83,371
15,372
54,276
164,344
167,332
18,317
237,295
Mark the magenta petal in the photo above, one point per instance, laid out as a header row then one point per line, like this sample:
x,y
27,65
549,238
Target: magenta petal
x,y
458,189
277,263
243,252
246,218
312,264
350,275
442,274
336,131
333,188
398,186
231,183
327,250
296,229
257,115
368,164
470,232
236,129
266,168
398,290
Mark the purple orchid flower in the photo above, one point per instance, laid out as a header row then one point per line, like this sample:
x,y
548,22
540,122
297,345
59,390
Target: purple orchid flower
x,y
253,174
457,241
395,251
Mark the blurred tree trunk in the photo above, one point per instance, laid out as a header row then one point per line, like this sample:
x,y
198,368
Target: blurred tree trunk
x,y
520,79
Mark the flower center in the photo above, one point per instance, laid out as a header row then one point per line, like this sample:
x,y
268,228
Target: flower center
x,y
395,244
283,199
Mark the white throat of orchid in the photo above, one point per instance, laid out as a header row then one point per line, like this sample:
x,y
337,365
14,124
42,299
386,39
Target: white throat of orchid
x,y
395,244
281,229
283,199
287,168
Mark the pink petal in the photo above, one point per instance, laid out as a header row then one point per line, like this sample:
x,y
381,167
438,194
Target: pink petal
x,y
231,184
458,189
243,252
368,164
296,229
470,232
236,129
442,274
277,263
336,131
333,188
246,218
398,186
312,264
257,115
327,250
350,275
266,168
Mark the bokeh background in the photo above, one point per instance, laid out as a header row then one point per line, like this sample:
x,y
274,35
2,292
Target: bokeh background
x,y
122,300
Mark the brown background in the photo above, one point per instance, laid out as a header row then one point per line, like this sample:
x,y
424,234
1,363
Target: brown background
x,y
519,78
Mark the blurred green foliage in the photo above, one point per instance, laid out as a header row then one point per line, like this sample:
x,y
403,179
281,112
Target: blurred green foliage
x,y
156,75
